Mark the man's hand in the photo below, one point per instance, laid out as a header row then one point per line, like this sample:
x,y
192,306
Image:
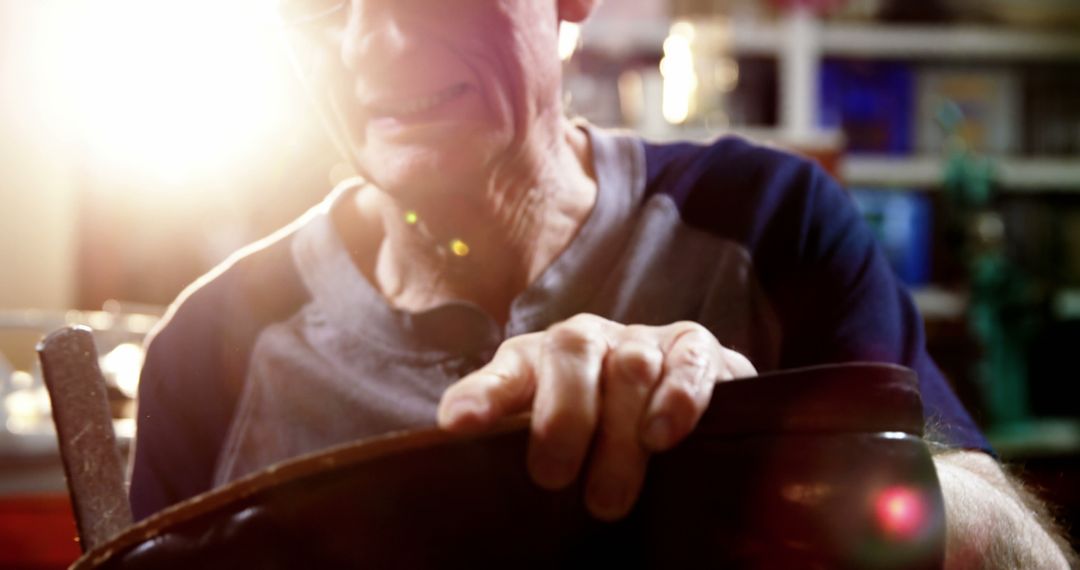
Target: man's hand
x,y
627,390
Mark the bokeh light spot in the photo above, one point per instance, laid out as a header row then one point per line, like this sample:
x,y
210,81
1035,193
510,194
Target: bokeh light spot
x,y
569,39
122,364
411,218
460,248
901,512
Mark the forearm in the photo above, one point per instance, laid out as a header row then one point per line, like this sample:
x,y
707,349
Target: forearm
x,y
989,522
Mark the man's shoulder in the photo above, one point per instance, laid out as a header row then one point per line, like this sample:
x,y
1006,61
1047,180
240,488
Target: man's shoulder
x,y
719,155
736,187
196,363
254,285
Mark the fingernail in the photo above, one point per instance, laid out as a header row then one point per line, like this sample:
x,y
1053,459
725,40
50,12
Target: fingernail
x,y
607,499
658,432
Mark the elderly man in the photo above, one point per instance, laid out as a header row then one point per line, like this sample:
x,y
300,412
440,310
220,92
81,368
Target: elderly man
x,y
499,258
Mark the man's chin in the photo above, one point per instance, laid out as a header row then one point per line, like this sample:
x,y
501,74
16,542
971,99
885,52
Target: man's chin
x,y
423,171
433,183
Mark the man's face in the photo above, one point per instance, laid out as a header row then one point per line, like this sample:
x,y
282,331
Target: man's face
x,y
433,94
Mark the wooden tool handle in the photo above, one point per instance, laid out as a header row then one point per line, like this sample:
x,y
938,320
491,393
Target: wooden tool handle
x,y
80,410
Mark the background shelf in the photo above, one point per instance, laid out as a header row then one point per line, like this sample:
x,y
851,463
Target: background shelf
x,y
1014,174
864,41
947,42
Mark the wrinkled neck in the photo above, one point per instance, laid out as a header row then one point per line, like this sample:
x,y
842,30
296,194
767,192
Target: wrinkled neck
x,y
486,246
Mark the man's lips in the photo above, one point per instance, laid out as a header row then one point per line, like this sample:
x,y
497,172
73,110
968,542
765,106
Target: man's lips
x,y
416,109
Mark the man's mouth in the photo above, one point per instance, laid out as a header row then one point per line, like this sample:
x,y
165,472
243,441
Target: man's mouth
x,y
416,107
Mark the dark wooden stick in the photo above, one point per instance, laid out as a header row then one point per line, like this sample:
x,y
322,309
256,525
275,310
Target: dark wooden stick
x,y
80,410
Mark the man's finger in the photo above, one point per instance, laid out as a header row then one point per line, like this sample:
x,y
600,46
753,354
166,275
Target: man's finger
x,y
567,399
617,466
694,362
503,387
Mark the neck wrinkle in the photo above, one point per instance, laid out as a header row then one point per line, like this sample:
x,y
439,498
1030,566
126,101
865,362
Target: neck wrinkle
x,y
527,216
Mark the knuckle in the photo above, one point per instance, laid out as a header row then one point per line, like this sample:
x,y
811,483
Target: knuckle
x,y
637,364
585,319
499,385
507,351
689,373
638,331
455,390
516,344
695,332
566,338
691,362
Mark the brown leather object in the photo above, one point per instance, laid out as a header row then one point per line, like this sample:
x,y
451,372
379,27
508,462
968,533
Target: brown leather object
x,y
788,470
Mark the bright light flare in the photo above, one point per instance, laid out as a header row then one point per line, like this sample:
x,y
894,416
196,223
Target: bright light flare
x,y
901,512
680,77
569,39
21,380
166,87
27,410
123,365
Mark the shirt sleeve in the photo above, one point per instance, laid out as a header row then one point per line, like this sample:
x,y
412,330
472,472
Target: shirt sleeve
x,y
196,365
840,301
183,412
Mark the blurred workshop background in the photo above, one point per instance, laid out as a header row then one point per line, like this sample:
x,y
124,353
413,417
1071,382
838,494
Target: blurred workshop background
x,y
142,141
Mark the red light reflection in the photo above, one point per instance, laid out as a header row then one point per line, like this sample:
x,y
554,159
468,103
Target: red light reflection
x,y
900,511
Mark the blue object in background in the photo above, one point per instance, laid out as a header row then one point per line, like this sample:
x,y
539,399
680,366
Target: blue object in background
x,y
902,220
873,102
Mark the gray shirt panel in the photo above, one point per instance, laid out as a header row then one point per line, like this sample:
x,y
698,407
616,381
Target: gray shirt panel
x,y
348,365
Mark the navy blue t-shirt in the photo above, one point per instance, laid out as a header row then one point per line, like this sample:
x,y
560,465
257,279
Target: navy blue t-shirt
x,y
287,348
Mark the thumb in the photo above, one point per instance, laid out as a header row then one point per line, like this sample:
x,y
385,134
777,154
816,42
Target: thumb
x,y
503,387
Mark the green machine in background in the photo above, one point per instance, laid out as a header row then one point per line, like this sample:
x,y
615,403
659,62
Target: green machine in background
x,y
1005,304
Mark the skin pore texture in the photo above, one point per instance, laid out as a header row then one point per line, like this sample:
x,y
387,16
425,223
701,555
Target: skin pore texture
x,y
451,110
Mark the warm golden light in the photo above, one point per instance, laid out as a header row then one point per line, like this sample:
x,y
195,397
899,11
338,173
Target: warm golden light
x,y
569,38
411,218
165,87
122,364
680,77
460,248
27,410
